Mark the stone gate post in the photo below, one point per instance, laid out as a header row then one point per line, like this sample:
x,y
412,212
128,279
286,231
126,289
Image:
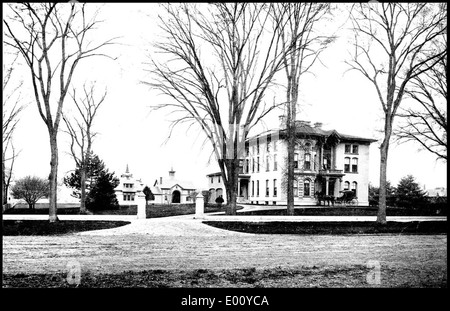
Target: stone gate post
x,y
199,206
141,203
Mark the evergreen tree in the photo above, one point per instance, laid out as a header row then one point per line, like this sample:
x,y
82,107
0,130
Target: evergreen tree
x,y
100,185
409,193
102,195
94,169
374,192
149,196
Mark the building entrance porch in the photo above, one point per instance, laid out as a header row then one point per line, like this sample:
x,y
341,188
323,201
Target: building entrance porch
x,y
243,185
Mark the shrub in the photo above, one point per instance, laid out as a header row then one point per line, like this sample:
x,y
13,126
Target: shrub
x,y
219,200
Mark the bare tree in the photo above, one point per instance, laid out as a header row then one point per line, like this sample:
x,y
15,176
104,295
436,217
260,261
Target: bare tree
x,y
426,122
12,107
391,46
222,62
31,189
302,46
53,39
81,134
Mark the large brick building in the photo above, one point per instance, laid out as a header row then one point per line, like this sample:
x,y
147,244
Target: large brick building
x,y
325,162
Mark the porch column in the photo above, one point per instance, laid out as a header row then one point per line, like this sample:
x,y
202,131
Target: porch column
x,y
333,158
321,157
327,180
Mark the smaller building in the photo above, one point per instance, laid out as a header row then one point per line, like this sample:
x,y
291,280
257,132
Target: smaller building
x,y
128,188
172,190
215,187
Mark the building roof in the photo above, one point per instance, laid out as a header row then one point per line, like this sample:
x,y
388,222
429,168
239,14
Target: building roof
x,y
171,181
167,184
305,129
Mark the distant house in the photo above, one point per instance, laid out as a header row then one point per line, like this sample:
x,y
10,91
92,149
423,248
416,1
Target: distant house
x,y
172,190
436,194
325,161
128,188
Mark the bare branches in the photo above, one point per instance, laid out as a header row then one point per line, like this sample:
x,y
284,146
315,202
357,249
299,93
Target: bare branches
x,y
52,38
80,128
397,46
221,60
404,32
12,107
81,133
215,96
425,122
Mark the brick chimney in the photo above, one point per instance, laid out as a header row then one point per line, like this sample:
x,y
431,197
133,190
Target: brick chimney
x,y
302,123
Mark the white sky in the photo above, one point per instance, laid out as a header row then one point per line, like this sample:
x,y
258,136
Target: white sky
x,y
130,134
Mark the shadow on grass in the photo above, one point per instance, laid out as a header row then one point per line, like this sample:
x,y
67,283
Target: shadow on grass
x,y
44,227
347,227
349,211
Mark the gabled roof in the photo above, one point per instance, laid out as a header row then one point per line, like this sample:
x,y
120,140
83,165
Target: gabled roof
x,y
168,183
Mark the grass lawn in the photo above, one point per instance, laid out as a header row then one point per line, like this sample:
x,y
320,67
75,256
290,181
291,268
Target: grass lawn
x,y
350,211
153,210
43,227
366,227
299,277
163,210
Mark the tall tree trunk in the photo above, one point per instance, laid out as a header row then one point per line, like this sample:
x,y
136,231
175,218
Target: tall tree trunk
x,y
4,186
83,189
290,126
53,178
232,166
290,177
384,148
